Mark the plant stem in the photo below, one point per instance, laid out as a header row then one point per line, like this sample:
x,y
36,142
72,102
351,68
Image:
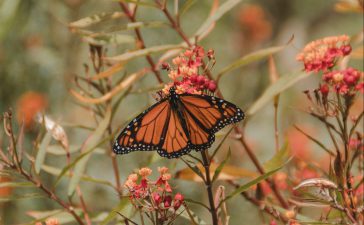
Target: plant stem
x,y
141,42
208,184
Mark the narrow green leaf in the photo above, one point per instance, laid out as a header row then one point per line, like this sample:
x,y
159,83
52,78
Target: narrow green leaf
x,y
134,25
251,183
21,197
113,213
189,215
142,52
186,6
141,3
39,160
224,8
16,184
94,19
248,59
59,150
221,142
221,166
278,159
279,86
89,144
194,168
109,39
56,172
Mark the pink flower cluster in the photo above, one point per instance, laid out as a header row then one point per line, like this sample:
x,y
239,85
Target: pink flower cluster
x,y
323,53
154,196
187,72
345,82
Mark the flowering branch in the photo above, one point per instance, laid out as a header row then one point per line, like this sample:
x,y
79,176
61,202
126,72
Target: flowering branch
x,y
13,163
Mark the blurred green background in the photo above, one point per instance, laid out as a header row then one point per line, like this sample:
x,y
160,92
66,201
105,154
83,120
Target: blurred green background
x,y
38,53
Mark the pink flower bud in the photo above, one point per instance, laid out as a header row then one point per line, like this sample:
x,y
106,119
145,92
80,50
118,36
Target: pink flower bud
x,y
360,87
178,200
346,49
212,86
165,66
324,89
201,80
167,201
157,198
179,197
350,80
193,78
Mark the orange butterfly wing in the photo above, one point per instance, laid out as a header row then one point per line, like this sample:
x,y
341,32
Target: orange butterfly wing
x,y
145,132
158,128
205,115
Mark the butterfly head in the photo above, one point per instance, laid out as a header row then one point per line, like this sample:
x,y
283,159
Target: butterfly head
x,y
172,90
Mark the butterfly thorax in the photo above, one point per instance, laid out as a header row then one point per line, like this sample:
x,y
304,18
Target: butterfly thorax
x,y
173,98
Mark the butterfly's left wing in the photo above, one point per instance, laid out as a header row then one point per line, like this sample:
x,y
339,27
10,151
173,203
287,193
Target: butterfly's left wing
x,y
144,133
205,115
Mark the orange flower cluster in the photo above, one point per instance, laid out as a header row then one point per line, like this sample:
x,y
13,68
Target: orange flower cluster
x,y
187,73
322,54
28,105
154,196
255,24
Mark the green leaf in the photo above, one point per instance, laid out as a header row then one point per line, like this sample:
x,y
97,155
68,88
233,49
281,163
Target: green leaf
x,y
134,25
142,52
21,197
92,141
194,168
56,172
59,150
221,142
248,59
279,86
224,8
109,39
278,159
39,160
114,212
189,215
253,182
221,166
138,2
186,6
94,19
16,184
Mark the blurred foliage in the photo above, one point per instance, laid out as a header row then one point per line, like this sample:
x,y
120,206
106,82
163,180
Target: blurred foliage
x,y
44,45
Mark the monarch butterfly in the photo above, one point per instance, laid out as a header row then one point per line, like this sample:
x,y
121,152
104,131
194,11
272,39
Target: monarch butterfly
x,y
177,124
